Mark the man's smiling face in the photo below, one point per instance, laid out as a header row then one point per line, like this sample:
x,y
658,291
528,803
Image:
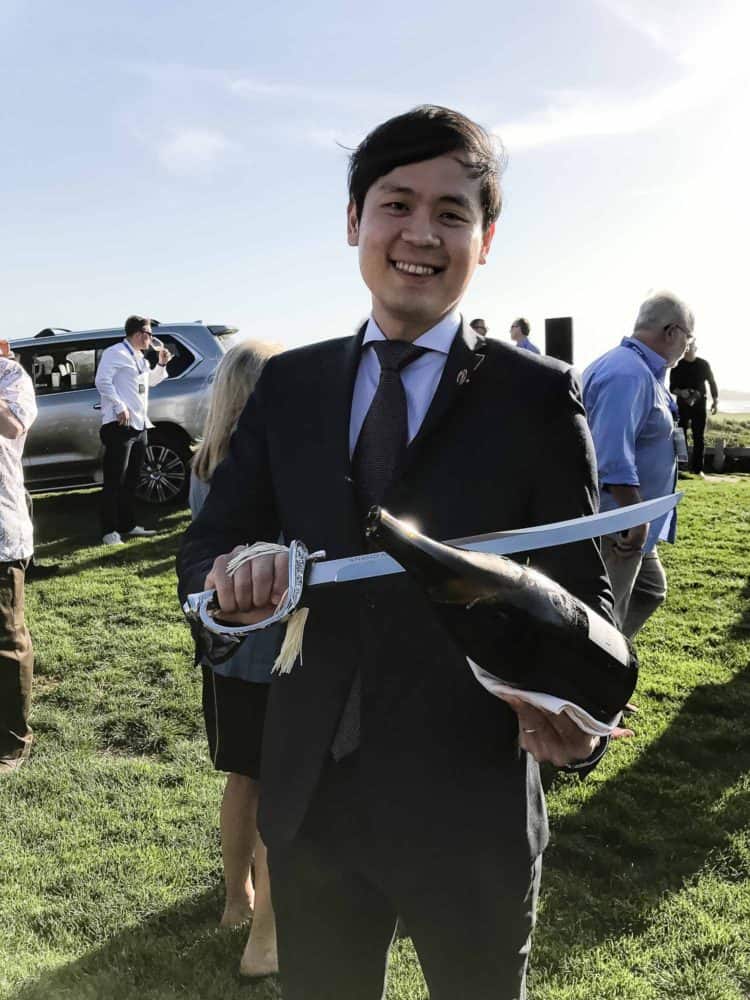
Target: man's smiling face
x,y
420,239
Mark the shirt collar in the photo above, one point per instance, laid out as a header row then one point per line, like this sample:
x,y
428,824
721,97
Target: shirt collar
x,y
132,350
655,362
439,338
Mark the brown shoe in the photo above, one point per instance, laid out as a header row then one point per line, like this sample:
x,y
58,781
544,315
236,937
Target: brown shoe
x,y
11,762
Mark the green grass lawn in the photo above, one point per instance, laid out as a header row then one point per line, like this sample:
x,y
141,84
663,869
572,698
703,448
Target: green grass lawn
x,y
109,856
734,428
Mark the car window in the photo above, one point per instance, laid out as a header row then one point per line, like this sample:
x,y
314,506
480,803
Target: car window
x,y
56,368
182,357
84,364
101,347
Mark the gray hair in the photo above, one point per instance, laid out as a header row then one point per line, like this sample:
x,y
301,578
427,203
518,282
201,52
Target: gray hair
x,y
661,309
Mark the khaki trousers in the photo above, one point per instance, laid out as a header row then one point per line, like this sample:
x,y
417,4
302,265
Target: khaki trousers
x,y
639,585
16,662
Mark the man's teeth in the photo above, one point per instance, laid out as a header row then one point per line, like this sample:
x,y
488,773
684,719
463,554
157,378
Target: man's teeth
x,y
413,268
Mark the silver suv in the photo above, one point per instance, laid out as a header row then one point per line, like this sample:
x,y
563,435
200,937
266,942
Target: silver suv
x,y
63,449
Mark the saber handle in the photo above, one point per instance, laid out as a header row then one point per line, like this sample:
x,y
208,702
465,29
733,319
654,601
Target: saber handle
x,y
198,607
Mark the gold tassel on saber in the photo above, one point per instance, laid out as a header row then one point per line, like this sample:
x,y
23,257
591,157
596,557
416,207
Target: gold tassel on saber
x,y
291,648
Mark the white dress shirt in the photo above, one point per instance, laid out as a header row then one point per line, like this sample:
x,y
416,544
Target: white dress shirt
x,y
420,379
16,533
121,371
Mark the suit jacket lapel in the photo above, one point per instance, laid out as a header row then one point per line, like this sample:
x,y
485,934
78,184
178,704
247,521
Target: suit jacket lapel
x,y
336,387
463,361
339,388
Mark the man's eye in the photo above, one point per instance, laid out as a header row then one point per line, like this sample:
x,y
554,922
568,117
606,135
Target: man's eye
x,y
452,217
397,206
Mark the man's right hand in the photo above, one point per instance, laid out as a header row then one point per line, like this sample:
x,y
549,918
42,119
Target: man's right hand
x,y
629,544
255,589
123,417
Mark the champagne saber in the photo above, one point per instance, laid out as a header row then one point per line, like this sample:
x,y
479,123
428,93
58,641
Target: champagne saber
x,y
308,569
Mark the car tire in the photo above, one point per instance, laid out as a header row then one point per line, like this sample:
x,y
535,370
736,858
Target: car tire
x,y
165,476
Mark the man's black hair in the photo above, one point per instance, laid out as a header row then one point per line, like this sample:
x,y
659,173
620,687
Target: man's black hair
x,y
134,324
422,134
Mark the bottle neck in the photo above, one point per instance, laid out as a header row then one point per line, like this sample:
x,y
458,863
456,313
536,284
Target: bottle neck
x,y
423,558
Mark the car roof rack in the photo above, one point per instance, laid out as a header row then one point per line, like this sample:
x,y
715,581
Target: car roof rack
x,y
50,331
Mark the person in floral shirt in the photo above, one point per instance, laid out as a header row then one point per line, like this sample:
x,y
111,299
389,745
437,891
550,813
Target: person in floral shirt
x,y
17,414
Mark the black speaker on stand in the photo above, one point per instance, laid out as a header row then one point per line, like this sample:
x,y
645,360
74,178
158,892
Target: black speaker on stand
x,y
558,338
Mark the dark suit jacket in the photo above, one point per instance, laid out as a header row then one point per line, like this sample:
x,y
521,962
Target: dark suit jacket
x,y
504,445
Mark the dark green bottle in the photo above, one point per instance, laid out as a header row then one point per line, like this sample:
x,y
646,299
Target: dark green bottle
x,y
515,622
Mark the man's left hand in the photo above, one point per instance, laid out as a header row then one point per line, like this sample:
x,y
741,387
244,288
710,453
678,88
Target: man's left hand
x,y
165,357
628,544
714,407
551,738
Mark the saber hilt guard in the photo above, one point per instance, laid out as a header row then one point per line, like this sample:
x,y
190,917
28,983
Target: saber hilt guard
x,y
200,609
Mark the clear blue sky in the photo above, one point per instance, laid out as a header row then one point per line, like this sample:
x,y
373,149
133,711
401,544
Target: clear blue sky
x,y
180,159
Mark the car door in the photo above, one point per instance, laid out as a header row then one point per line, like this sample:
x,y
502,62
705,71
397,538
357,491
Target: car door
x,y
63,446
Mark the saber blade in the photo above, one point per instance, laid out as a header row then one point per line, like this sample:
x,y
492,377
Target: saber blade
x,y
577,529
199,607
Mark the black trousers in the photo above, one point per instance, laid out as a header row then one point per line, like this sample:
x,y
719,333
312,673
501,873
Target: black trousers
x,y
694,417
16,662
124,452
339,887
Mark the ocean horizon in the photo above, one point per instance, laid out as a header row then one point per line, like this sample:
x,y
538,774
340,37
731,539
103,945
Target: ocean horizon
x,y
735,406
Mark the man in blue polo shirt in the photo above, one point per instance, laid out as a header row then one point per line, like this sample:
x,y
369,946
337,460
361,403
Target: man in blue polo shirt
x,y
520,334
632,420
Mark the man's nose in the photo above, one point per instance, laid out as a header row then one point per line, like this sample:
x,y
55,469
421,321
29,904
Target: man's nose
x,y
419,231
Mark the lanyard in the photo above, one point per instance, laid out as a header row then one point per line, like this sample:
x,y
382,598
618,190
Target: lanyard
x,y
135,358
633,346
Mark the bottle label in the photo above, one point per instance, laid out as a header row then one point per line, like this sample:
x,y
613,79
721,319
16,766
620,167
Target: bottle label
x,y
608,638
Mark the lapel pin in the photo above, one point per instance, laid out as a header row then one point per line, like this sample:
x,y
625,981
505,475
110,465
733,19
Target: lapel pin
x,y
478,361
463,376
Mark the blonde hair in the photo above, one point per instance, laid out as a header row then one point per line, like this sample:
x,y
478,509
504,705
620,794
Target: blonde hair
x,y
235,379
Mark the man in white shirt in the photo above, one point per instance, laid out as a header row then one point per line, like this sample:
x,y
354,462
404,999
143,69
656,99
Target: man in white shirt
x,y
17,414
123,380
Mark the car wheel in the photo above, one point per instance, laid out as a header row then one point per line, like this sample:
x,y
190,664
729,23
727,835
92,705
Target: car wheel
x,y
165,476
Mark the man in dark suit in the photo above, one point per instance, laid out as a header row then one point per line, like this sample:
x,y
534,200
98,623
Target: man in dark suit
x,y
393,784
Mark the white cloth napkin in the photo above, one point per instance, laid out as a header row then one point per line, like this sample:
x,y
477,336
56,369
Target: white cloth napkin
x,y
547,702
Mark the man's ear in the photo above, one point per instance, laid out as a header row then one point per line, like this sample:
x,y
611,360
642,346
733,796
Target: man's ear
x,y
486,244
352,225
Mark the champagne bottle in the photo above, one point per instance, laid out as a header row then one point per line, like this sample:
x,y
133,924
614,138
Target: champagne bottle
x,y
515,622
